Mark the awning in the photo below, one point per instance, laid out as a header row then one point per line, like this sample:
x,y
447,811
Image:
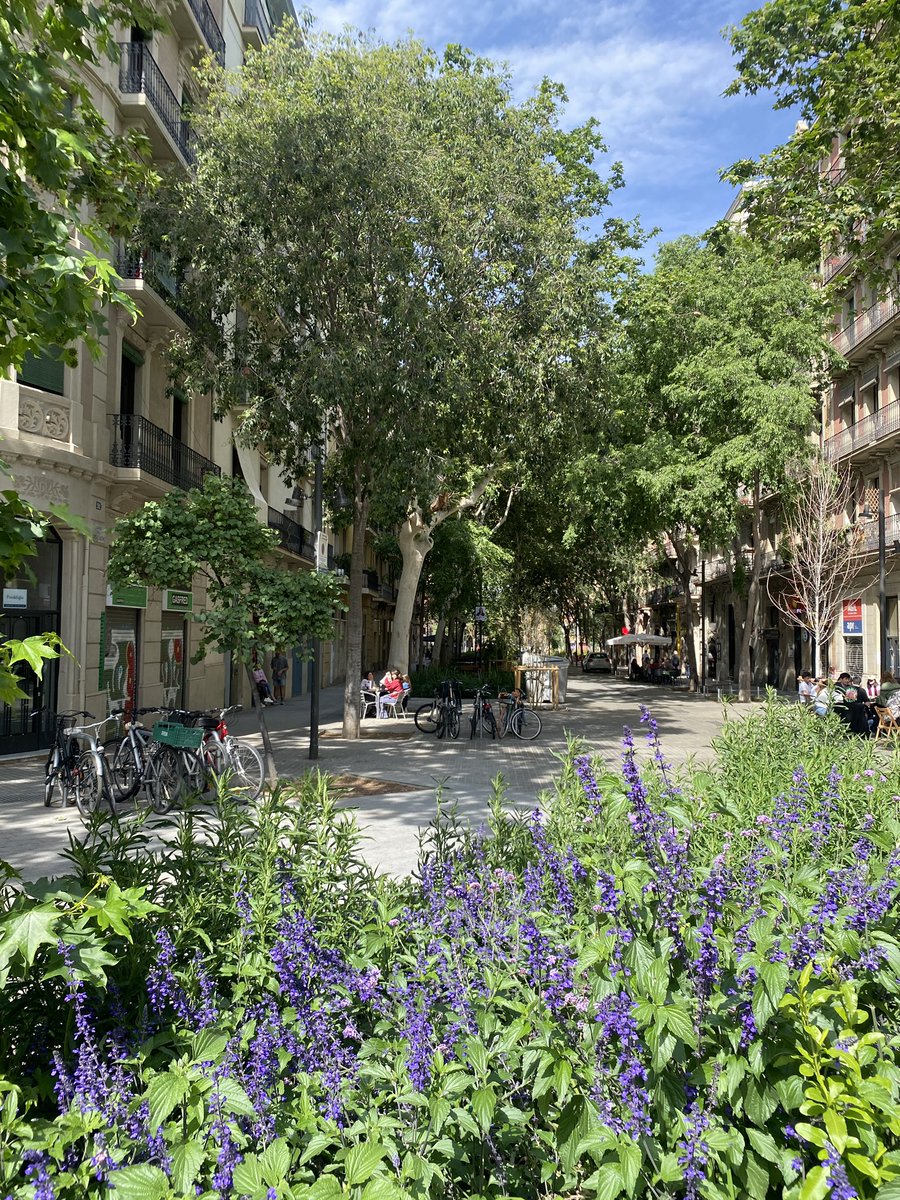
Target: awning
x,y
639,639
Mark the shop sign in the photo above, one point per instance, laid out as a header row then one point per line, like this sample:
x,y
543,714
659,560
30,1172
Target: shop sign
x,y
852,617
15,598
129,595
175,601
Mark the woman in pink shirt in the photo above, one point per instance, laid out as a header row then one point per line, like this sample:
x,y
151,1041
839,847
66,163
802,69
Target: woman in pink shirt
x,y
392,690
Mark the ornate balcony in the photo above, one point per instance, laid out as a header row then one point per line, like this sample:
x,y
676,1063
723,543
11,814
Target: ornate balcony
x,y
257,26
148,269
292,536
871,429
138,443
873,325
189,16
143,86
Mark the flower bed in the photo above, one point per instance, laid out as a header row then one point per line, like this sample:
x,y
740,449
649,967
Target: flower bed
x,y
657,987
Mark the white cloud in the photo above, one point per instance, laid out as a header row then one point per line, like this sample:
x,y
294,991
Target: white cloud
x,y
651,72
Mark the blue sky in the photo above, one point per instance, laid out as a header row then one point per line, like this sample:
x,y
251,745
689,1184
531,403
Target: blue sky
x,y
651,71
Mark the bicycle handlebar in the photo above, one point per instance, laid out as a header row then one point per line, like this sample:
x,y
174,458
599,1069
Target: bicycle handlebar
x,y
62,716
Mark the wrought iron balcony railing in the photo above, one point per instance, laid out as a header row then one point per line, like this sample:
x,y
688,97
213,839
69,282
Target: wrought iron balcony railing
x,y
867,323
137,442
139,74
256,16
210,26
871,429
291,535
153,268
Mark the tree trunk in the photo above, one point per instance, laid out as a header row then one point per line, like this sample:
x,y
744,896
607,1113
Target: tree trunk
x,y
745,678
568,641
268,752
353,658
415,542
437,646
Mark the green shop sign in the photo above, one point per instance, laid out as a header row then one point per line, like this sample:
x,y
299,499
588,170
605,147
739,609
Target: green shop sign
x,y
174,601
130,595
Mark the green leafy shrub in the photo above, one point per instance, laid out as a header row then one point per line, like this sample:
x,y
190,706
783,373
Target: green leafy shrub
x,y
645,992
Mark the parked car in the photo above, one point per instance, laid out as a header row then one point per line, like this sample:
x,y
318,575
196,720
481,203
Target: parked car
x,y
599,662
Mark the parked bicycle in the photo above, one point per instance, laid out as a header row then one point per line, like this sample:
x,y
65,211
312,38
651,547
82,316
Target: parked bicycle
x,y
441,716
194,751
516,717
77,765
129,754
483,719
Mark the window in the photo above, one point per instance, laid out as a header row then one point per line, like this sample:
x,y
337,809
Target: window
x,y
132,361
45,371
179,415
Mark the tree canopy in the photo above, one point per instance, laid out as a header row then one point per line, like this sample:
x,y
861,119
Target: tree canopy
x,y
724,348
66,181
837,62
405,249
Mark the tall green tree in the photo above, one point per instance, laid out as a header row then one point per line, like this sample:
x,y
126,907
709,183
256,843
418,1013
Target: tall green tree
x,y
389,226
725,346
66,181
837,63
212,533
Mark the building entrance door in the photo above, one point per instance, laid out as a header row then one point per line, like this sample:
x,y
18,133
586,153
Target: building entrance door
x,y
30,607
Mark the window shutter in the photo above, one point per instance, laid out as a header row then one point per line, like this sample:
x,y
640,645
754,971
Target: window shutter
x,y
44,371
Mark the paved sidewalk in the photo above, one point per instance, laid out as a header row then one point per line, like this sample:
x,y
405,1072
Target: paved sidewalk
x,y
32,837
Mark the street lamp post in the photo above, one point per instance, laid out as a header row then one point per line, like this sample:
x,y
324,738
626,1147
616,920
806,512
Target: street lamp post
x,y
315,681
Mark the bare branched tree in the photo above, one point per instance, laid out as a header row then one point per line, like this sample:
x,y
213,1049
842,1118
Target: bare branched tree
x,y
820,548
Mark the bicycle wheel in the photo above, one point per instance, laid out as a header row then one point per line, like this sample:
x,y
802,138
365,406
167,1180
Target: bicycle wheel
x,y
89,786
123,770
51,775
526,724
426,717
491,722
167,780
244,770
453,722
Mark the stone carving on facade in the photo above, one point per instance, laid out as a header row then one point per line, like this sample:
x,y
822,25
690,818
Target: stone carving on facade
x,y
42,487
44,418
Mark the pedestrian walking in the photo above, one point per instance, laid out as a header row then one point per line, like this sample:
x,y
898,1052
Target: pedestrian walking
x,y
279,665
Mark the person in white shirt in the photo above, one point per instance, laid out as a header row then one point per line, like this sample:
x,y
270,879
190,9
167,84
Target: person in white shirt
x,y
805,688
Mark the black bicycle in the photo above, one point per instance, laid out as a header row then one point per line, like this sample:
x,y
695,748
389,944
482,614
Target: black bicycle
x,y
517,718
77,766
441,716
483,719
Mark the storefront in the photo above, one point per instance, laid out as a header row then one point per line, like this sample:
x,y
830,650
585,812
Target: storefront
x,y
173,650
120,642
31,604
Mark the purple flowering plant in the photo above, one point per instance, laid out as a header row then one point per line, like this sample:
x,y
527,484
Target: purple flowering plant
x,y
618,993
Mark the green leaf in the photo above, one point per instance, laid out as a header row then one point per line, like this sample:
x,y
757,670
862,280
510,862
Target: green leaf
x,y
248,1175
141,1182
324,1188
26,931
186,1161
484,1101
316,1144
630,1159
836,1127
163,1093
679,1021
763,1143
889,1190
275,1161
608,1181
382,1187
811,1133
236,1099
757,1177
816,1185
362,1161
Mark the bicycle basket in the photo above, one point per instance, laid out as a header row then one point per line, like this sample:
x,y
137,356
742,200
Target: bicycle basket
x,y
170,733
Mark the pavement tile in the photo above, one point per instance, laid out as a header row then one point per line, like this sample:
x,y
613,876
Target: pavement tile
x,y
32,838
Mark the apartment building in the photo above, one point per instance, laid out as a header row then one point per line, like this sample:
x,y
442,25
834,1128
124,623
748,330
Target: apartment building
x,y
110,434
